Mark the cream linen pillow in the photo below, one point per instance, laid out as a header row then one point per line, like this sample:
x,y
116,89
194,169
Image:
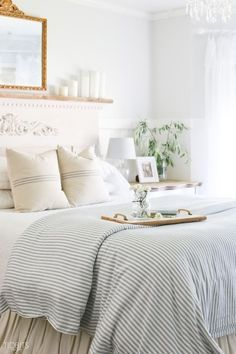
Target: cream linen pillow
x,y
81,176
35,181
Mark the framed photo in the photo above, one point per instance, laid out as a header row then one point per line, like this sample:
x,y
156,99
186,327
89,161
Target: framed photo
x,y
147,169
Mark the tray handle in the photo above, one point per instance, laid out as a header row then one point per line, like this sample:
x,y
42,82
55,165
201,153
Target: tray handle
x,y
120,216
185,211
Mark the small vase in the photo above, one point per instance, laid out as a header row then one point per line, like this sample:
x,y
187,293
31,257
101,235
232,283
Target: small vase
x,y
141,205
162,171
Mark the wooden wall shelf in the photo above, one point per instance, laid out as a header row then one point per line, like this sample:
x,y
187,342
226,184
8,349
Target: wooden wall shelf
x,y
56,98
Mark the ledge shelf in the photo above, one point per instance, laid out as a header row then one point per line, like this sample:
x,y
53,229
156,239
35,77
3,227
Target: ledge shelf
x,y
56,98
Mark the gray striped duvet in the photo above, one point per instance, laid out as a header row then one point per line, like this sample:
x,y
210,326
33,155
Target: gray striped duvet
x,y
166,290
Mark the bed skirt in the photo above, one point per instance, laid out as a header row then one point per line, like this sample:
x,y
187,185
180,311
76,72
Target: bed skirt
x,y
36,336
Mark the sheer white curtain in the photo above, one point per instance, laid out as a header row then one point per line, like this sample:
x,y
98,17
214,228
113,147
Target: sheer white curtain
x,y
220,103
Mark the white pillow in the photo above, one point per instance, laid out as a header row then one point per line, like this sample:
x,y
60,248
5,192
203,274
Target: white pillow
x,y
4,179
81,177
116,184
6,200
35,181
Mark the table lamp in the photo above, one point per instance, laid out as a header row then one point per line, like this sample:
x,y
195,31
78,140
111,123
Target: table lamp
x,y
122,149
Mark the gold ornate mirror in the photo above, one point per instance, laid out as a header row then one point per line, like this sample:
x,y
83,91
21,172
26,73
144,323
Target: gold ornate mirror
x,y
23,49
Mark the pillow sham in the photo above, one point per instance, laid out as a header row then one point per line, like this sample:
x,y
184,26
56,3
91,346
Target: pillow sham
x,y
35,181
81,176
4,179
117,185
6,200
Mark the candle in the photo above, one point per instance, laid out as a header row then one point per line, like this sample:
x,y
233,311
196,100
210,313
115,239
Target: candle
x,y
94,84
64,91
73,88
102,89
85,83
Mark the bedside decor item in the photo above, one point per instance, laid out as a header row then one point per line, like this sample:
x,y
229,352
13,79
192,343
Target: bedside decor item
x,y
140,205
122,149
147,170
163,143
23,60
210,9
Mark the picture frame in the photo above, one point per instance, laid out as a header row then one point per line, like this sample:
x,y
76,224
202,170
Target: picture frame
x,y
147,169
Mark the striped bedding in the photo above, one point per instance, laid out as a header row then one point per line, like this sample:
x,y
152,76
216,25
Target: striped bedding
x,y
176,286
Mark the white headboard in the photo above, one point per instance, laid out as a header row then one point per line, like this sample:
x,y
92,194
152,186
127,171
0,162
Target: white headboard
x,y
47,123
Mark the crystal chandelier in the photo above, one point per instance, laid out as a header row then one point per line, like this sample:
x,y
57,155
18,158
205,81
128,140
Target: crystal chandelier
x,y
210,9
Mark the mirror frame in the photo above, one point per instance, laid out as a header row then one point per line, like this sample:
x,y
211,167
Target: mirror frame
x,y
7,8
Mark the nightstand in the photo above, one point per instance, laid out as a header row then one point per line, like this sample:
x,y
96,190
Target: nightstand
x,y
175,187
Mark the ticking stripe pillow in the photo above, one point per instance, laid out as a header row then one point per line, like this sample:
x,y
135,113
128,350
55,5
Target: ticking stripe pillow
x,y
35,181
81,177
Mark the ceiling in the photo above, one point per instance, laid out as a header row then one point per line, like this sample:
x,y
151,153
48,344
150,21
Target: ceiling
x,y
141,8
150,6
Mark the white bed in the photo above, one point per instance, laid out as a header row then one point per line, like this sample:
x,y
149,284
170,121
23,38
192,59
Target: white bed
x,y
36,336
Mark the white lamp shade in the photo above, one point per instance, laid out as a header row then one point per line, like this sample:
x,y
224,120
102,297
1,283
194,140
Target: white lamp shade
x,y
121,149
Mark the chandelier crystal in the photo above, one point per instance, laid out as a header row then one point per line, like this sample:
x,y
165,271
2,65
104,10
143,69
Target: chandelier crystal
x,y
212,10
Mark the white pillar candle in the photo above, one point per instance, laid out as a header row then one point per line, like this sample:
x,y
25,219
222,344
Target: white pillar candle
x,y
64,91
85,83
102,89
73,88
94,84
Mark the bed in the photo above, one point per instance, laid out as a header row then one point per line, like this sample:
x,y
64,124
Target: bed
x,y
36,335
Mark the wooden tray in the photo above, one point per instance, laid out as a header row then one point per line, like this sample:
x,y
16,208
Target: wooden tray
x,y
180,219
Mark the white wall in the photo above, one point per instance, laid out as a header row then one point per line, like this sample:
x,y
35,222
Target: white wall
x,y
171,55
172,79
178,55
82,37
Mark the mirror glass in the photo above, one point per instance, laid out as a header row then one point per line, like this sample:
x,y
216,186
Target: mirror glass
x,y
21,53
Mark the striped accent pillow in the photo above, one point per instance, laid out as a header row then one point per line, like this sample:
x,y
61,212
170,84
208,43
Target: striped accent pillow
x,y
35,181
81,176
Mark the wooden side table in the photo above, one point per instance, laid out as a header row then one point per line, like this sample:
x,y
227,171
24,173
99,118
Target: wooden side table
x,y
171,185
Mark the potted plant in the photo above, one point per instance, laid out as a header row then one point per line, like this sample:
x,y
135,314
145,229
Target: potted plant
x,y
163,143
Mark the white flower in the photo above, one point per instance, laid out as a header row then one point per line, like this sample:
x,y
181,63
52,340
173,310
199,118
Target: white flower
x,y
139,188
